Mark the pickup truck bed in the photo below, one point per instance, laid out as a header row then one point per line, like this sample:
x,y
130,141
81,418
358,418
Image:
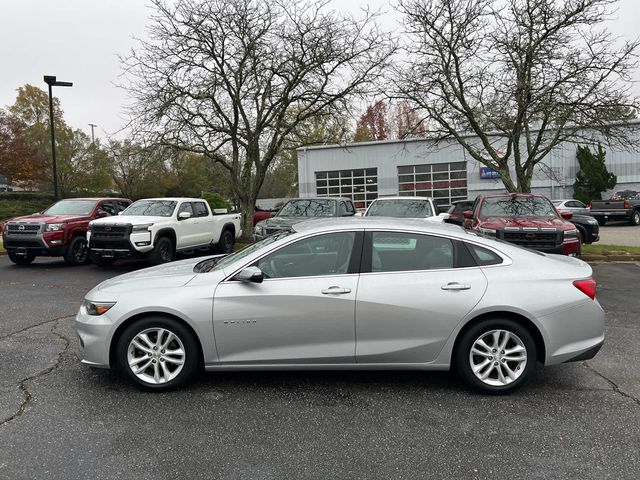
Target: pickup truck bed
x,y
604,210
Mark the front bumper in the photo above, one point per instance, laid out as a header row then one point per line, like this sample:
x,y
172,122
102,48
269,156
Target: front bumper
x,y
94,333
35,242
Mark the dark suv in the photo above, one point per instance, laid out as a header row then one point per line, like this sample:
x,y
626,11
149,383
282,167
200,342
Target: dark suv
x,y
59,231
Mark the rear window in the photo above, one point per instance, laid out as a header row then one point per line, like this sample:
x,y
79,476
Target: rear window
x,y
484,256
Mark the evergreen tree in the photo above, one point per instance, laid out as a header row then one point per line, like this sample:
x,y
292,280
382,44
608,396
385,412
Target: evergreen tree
x,y
593,178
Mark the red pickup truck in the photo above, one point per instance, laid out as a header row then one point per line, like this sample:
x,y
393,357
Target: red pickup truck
x,y
523,219
59,231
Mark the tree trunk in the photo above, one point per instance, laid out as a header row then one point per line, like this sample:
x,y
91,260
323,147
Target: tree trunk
x,y
247,206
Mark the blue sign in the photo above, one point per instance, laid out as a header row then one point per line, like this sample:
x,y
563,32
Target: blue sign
x,y
487,173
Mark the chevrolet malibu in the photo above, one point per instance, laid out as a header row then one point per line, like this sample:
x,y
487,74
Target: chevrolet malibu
x,y
357,293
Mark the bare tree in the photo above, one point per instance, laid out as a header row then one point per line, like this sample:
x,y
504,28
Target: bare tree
x,y
231,79
511,80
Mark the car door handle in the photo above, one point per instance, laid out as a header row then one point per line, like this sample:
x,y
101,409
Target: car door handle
x,y
335,291
455,286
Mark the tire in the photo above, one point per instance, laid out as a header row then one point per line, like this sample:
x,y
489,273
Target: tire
x,y
601,221
103,262
635,218
163,252
21,260
77,252
149,357
225,242
522,364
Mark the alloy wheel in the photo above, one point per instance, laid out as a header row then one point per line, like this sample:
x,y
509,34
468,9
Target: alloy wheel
x,y
498,357
156,355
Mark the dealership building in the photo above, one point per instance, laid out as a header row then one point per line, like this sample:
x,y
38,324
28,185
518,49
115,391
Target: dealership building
x,y
442,170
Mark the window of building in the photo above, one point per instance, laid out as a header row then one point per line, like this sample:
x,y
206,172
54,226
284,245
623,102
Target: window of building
x,y
445,182
360,185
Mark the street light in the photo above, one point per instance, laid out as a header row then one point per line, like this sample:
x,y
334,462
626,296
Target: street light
x,y
51,81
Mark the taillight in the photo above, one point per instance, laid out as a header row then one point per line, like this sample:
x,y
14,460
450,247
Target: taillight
x,y
588,287
590,204
627,204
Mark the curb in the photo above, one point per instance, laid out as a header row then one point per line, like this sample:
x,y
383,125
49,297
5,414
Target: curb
x,y
611,258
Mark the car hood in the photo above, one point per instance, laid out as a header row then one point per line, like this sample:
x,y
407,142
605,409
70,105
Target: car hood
x,y
175,274
524,222
129,219
39,218
285,222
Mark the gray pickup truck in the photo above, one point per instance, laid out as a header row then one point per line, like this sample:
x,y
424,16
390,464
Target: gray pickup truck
x,y
624,205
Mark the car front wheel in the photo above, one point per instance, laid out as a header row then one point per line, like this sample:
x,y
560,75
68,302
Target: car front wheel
x,y
496,356
635,218
158,353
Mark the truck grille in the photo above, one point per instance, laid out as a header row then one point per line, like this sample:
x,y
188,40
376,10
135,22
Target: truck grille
x,y
535,240
23,228
110,231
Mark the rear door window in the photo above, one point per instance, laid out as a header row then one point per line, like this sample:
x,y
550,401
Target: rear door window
x,y
200,209
401,252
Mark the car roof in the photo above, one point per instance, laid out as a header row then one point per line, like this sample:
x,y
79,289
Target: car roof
x,y
372,223
319,198
176,199
96,199
403,198
512,194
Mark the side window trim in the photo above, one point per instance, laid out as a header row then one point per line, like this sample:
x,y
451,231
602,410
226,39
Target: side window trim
x,y
355,263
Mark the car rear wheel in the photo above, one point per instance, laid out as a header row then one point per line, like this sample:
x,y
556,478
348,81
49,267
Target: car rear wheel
x,y
226,242
158,353
635,218
77,252
21,259
496,356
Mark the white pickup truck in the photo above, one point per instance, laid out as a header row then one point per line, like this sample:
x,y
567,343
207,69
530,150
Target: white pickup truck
x,y
157,228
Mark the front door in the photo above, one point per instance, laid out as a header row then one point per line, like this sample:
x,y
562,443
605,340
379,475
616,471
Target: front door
x,y
302,313
416,292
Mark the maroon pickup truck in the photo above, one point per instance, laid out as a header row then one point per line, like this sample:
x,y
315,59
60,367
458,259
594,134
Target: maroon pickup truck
x,y
59,231
523,219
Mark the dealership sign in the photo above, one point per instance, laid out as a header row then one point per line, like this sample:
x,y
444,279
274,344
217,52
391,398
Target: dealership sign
x,y
488,173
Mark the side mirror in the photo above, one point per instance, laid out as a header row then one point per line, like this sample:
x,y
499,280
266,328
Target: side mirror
x,y
184,215
250,274
101,214
468,214
566,215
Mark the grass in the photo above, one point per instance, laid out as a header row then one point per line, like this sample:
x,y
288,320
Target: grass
x,y
598,249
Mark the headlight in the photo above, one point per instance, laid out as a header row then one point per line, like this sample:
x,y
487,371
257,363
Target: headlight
x,y
570,234
97,308
487,232
54,227
141,228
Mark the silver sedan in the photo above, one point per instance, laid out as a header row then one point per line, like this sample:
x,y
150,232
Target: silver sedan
x,y
354,293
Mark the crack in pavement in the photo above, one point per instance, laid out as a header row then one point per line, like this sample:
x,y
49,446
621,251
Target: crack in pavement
x,y
22,330
28,397
613,384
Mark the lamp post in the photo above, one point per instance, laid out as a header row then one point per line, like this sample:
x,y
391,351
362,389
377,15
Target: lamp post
x,y
93,138
52,82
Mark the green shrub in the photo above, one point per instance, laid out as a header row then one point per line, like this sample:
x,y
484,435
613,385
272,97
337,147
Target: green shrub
x,y
215,200
16,208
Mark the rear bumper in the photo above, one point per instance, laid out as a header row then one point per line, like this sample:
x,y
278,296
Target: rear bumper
x,y
611,213
573,334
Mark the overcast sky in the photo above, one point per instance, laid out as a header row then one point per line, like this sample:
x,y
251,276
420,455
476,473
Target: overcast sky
x,y
79,41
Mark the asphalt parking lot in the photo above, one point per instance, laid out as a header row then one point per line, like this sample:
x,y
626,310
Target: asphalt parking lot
x,y
620,233
61,420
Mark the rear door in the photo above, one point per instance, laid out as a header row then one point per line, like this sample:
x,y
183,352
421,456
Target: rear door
x,y
302,313
413,290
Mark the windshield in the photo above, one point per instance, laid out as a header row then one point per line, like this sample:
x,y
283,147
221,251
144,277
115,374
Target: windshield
x,y
400,208
216,263
71,207
151,208
517,207
308,208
